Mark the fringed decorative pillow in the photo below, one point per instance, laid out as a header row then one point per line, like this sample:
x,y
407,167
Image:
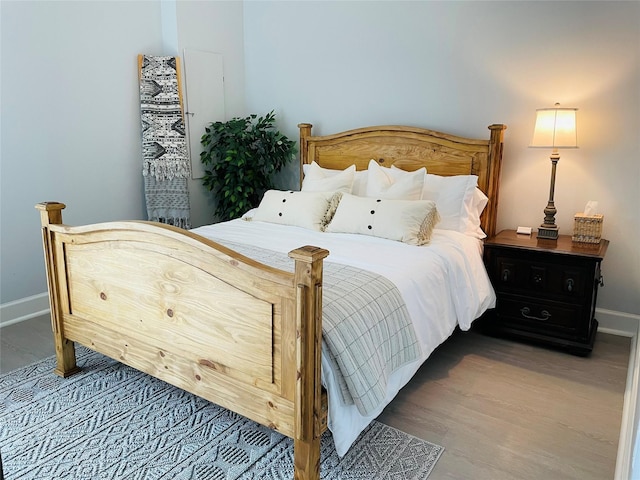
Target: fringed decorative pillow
x,y
311,210
408,221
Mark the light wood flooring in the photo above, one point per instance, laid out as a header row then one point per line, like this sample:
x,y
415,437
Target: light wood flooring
x,y
501,409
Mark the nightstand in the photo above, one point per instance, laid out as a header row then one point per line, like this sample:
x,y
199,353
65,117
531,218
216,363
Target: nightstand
x,y
546,291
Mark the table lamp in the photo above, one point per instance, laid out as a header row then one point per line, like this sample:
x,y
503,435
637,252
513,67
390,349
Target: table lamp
x,y
555,128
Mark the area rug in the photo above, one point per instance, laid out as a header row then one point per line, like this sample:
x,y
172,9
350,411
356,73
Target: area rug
x,y
113,422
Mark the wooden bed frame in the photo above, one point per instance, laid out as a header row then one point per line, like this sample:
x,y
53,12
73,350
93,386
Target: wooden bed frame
x,y
411,148
213,322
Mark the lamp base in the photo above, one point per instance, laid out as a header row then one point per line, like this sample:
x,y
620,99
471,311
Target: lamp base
x,y
548,233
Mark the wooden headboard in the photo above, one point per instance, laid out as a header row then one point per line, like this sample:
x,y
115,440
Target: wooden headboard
x,y
411,148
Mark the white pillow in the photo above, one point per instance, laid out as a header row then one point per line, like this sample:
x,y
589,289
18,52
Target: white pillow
x,y
480,201
408,221
359,187
318,179
302,209
458,200
393,183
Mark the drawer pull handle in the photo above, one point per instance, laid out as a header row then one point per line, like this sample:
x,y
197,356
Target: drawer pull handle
x,y
525,311
505,275
570,285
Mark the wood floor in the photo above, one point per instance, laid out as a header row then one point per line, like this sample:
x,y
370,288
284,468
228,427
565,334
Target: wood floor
x,y
501,409
506,410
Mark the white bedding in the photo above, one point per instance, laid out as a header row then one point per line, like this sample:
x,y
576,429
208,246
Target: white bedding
x,y
444,285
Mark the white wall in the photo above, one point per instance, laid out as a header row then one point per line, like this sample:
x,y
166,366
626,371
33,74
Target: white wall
x,y
70,122
460,66
214,27
71,117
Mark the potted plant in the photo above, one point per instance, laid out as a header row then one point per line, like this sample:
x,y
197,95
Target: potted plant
x,y
240,157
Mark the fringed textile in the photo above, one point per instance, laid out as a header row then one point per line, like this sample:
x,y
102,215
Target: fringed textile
x,y
167,201
166,167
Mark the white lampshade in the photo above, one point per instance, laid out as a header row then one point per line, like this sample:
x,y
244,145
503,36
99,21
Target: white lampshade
x,y
555,128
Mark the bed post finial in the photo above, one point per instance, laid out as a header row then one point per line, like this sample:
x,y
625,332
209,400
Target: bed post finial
x,y
305,133
307,403
51,214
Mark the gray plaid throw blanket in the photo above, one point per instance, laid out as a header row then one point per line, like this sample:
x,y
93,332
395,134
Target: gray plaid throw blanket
x,y
365,325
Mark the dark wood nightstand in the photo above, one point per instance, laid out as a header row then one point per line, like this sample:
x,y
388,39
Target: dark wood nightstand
x,y
546,291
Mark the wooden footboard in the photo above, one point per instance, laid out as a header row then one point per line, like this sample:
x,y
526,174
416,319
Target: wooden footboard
x,y
194,314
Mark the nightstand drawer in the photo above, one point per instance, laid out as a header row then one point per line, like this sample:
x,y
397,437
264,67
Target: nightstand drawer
x,y
567,283
526,313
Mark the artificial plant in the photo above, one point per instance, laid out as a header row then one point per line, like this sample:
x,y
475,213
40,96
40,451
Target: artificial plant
x,y
240,157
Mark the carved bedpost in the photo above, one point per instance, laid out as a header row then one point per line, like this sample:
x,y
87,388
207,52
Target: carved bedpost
x,y
51,214
308,277
495,162
305,132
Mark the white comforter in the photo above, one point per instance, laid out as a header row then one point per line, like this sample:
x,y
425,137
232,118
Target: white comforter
x,y
444,285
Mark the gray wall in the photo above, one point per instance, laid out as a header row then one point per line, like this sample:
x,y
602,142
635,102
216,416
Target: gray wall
x,y
460,66
71,117
215,27
70,122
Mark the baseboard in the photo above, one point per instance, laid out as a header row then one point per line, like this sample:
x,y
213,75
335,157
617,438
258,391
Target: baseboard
x,y
627,447
24,309
618,323
628,325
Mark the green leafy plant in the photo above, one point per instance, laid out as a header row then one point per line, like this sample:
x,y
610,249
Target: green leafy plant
x,y
240,158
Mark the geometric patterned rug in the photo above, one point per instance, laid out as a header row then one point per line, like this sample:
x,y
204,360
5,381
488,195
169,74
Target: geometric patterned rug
x,y
110,421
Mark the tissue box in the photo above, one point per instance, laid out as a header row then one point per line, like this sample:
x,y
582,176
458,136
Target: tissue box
x,y
587,228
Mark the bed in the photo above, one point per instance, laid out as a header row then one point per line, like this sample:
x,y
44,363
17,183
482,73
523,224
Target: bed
x,y
233,312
